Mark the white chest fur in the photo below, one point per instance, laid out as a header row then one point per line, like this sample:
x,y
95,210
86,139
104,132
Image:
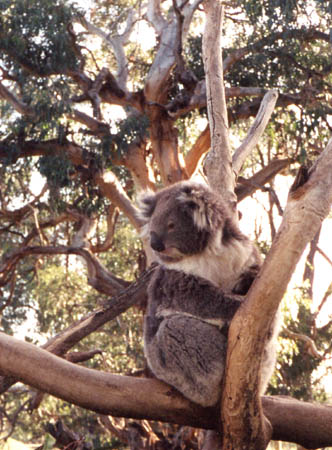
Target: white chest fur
x,y
221,265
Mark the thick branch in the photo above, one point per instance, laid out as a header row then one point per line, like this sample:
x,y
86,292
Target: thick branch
x,y
294,421
66,339
96,127
201,146
308,204
156,87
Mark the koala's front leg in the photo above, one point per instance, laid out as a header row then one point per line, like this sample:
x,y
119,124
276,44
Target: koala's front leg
x,y
181,292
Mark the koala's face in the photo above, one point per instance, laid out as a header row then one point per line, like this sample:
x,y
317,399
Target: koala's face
x,y
173,224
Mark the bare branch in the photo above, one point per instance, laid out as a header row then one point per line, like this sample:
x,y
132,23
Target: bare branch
x,y
97,127
135,161
117,44
17,104
98,276
324,255
66,339
18,214
155,17
246,187
255,131
112,189
218,162
309,343
310,198
201,146
77,357
111,219
294,421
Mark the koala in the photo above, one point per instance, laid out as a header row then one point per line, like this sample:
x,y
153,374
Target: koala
x,y
206,267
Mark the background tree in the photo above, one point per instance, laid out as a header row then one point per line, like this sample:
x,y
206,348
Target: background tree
x,y
101,112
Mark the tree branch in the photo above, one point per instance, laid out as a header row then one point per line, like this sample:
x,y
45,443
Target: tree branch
x,y
256,130
16,103
111,188
117,44
309,199
246,187
306,424
303,35
106,181
201,146
66,339
218,164
98,276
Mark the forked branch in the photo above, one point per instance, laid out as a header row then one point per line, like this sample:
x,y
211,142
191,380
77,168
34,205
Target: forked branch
x,y
308,204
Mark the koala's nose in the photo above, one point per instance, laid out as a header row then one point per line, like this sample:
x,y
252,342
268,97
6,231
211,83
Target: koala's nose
x,y
156,242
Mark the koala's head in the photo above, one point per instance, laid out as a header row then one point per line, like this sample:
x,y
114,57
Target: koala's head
x,y
181,220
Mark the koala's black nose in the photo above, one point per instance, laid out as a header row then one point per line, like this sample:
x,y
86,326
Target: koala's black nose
x,y
156,242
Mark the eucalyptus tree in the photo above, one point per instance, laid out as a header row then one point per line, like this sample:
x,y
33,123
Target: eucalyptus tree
x,y
101,100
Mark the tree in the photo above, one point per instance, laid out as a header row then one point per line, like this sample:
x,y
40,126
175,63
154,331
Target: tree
x,y
62,70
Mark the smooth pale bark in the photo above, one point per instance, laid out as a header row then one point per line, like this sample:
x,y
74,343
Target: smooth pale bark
x,y
308,204
218,163
294,421
111,188
256,130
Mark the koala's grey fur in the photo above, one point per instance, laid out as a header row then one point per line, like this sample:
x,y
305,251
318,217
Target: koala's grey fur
x,y
207,264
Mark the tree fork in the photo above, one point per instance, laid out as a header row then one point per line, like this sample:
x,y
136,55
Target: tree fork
x,y
308,204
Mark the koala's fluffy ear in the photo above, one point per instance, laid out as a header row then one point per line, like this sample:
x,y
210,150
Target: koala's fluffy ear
x,y
146,203
194,201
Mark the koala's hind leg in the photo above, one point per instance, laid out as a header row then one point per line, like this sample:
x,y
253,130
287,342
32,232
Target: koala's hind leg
x,y
189,354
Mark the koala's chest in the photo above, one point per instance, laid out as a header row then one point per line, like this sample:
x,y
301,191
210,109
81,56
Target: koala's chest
x,y
221,272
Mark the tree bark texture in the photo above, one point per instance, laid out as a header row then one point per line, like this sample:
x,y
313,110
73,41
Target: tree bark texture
x,y
307,424
218,164
308,204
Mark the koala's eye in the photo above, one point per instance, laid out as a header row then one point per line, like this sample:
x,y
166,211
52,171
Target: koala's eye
x,y
171,226
191,205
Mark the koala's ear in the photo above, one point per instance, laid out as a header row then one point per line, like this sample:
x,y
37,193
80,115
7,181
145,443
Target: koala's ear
x,y
193,201
146,204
